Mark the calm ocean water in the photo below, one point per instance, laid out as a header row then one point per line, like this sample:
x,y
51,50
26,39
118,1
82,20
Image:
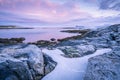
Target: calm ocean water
x,y
32,35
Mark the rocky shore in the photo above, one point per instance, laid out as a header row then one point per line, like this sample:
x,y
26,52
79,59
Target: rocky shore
x,y
11,41
106,66
22,61
56,42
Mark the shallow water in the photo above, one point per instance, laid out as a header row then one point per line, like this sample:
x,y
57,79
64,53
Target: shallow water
x,y
36,34
69,68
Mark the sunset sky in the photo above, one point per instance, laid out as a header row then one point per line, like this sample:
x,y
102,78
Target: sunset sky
x,y
59,12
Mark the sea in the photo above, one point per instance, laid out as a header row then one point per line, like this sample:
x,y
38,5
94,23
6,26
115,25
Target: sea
x,y
33,35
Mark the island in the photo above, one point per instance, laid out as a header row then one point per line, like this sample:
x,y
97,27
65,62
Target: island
x,y
13,27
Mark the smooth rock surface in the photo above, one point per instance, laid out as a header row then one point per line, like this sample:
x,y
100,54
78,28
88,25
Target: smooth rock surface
x,y
49,63
78,50
104,67
18,63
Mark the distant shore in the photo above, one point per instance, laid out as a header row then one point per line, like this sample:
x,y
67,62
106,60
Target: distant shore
x,y
13,27
46,43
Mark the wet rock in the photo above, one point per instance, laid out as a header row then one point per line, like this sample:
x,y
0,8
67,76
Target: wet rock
x,y
114,28
67,43
45,43
91,33
49,64
14,70
76,31
53,39
12,40
78,50
104,67
70,51
24,63
115,48
19,40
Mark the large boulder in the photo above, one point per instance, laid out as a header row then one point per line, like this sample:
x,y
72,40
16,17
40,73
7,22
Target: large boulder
x,y
104,67
78,50
14,70
49,64
21,63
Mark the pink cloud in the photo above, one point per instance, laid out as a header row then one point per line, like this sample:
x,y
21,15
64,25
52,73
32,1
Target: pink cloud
x,y
43,10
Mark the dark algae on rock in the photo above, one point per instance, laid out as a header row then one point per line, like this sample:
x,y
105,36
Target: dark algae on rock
x,y
11,40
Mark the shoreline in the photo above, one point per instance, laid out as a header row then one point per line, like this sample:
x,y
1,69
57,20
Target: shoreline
x,y
45,43
24,57
16,28
13,27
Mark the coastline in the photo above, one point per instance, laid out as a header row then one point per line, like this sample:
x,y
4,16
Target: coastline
x,y
16,28
13,27
37,56
45,43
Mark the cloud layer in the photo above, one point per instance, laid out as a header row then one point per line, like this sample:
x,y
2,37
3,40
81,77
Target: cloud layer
x,y
56,11
110,4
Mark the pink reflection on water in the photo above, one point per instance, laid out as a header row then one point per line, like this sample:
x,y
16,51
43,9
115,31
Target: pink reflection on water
x,y
32,35
52,33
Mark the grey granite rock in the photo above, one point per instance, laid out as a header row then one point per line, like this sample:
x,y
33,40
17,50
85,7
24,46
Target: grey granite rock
x,y
14,70
104,67
21,63
49,64
78,50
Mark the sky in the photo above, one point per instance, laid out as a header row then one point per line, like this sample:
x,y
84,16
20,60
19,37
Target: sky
x,y
59,12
